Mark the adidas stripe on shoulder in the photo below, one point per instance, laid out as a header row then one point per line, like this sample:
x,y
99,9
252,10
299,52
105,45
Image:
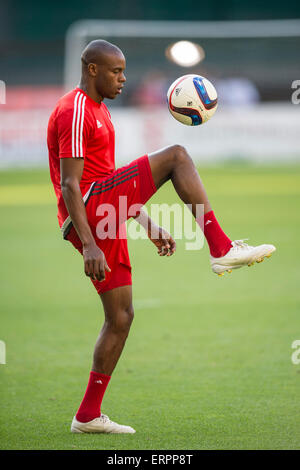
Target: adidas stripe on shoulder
x,y
77,125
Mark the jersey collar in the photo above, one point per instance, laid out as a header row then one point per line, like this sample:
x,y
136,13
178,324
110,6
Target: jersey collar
x,y
88,97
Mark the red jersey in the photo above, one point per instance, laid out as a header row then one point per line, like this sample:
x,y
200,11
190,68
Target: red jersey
x,y
80,128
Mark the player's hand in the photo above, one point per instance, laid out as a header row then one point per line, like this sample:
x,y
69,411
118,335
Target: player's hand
x,y
164,242
95,263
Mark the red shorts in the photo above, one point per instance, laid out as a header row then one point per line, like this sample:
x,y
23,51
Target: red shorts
x,y
112,200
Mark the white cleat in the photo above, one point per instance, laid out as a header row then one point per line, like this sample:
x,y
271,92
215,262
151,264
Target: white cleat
x,y
100,425
240,255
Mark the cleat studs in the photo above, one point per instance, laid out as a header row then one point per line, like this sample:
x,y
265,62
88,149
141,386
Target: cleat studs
x,y
260,260
269,256
221,274
251,264
229,271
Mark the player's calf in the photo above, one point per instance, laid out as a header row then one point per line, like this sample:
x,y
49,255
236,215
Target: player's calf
x,y
175,164
112,338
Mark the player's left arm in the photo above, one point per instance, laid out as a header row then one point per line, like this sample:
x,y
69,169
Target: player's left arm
x,y
163,241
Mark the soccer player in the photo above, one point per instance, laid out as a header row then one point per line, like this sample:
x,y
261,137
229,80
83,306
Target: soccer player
x,y
86,182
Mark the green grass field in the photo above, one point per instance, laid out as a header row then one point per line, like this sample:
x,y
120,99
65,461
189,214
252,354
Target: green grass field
x,y
207,364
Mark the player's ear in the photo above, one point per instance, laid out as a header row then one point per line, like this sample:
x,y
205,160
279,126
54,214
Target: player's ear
x,y
92,68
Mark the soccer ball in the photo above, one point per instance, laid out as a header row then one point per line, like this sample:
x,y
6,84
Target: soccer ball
x,y
192,100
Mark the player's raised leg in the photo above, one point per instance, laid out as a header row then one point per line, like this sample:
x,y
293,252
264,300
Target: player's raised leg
x,y
174,163
118,312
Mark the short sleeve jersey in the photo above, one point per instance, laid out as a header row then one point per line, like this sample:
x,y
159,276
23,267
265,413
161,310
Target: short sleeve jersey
x,y
79,127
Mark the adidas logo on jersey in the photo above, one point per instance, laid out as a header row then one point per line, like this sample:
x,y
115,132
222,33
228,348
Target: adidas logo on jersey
x,y
99,124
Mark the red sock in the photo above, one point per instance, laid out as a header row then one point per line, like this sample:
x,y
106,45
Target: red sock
x,y
90,407
218,242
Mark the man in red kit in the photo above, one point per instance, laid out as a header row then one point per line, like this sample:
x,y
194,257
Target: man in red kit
x,y
82,167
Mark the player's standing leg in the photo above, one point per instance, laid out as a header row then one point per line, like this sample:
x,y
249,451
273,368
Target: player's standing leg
x,y
118,310
174,163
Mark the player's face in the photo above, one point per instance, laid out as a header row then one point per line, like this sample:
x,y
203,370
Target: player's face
x,y
110,78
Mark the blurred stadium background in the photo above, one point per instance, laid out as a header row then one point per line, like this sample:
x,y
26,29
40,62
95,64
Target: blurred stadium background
x,y
217,352
251,60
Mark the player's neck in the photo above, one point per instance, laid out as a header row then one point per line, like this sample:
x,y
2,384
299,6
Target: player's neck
x,y
90,91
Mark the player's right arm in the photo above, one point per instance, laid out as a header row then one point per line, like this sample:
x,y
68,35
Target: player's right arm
x,y
95,263
74,127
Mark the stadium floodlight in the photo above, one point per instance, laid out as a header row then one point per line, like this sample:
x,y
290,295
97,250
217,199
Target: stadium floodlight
x,y
80,32
185,53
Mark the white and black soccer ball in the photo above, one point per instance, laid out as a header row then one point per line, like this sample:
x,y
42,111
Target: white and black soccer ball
x,y
192,99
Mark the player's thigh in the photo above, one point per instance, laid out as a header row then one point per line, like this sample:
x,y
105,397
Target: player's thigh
x,y
162,163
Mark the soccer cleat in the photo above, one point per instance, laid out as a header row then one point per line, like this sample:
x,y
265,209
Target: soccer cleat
x,y
241,254
100,425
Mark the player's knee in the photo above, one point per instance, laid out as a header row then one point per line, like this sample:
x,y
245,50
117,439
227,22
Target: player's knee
x,y
180,154
178,149
122,321
130,314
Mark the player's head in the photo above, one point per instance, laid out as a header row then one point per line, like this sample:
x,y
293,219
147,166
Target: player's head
x,y
103,63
